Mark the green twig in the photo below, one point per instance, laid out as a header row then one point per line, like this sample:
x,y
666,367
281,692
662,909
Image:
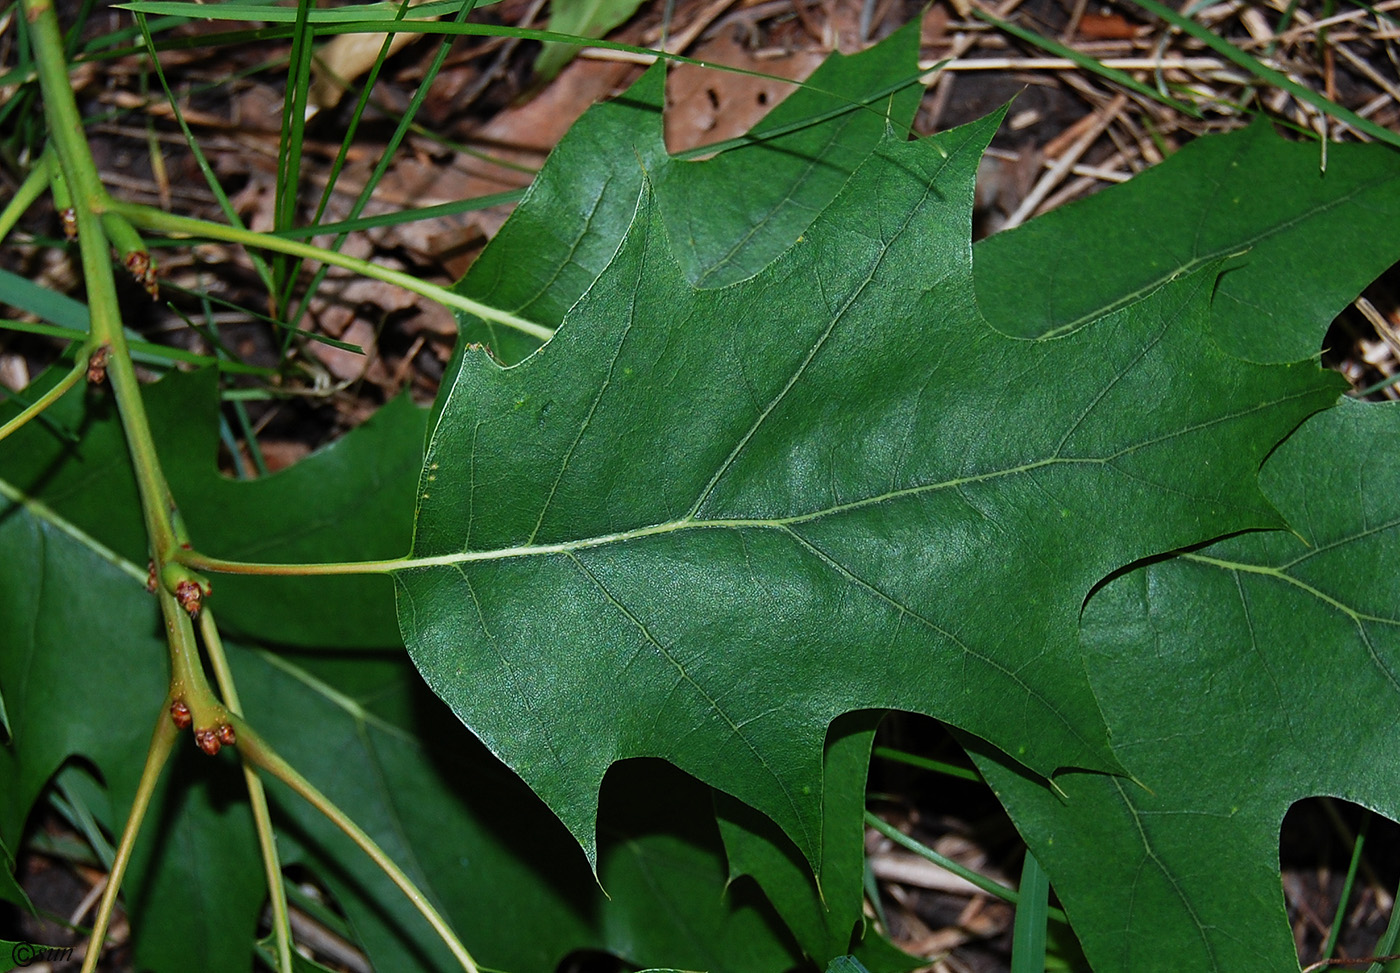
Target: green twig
x,y
80,173
151,218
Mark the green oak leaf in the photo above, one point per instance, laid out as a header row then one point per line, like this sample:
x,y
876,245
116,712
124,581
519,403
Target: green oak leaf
x,y
741,208
1236,679
1249,195
702,524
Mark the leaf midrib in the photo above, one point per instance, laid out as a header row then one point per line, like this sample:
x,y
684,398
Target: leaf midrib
x,y
689,522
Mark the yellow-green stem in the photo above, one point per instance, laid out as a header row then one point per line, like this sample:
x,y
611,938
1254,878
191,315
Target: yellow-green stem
x,y
256,750
49,397
80,172
257,797
200,562
150,218
29,191
162,740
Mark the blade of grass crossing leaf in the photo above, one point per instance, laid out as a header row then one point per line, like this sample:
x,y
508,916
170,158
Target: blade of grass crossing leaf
x,y
1267,74
212,181
1028,935
271,13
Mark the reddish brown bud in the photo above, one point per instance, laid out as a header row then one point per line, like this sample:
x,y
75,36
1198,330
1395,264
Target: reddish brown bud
x,y
208,741
190,597
97,365
180,714
69,219
226,735
151,580
138,264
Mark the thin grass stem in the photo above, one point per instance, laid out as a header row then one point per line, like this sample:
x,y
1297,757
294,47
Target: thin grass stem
x,y
1267,74
25,196
1029,932
924,763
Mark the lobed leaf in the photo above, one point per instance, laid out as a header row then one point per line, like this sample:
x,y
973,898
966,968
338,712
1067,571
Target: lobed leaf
x,y
741,512
350,501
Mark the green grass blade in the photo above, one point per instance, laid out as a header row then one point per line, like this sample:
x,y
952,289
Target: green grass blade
x,y
1385,946
981,881
1330,946
1267,74
384,13
289,161
395,140
1028,935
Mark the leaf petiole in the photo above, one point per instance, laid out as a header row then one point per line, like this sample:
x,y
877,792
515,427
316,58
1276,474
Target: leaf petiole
x,y
74,376
150,218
